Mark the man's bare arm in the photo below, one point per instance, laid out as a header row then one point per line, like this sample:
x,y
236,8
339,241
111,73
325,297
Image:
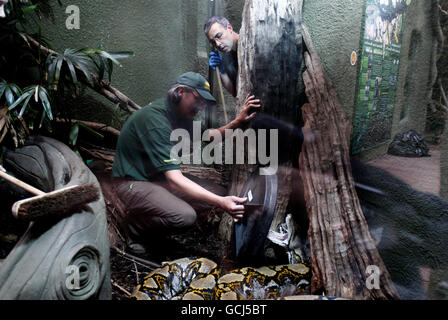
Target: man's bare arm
x,y
243,117
179,182
228,84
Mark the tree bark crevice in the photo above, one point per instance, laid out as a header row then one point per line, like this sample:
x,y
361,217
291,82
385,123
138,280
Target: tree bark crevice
x,y
341,245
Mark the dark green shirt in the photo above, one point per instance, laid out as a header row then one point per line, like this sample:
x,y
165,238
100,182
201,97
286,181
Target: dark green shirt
x,y
143,148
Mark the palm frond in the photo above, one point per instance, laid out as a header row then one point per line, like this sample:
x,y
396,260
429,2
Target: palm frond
x,y
67,64
10,91
45,100
81,60
40,94
107,60
28,92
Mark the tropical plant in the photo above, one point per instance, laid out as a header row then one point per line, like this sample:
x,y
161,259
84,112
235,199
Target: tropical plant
x,y
34,79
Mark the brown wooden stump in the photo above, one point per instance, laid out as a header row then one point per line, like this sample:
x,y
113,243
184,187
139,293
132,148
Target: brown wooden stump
x,y
269,60
341,245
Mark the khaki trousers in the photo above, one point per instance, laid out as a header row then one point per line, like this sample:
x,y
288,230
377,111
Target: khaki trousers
x,y
154,208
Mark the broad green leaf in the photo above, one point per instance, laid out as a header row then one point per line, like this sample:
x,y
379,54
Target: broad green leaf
x,y
51,67
36,93
19,100
82,61
43,95
109,57
25,104
73,135
58,67
72,71
9,96
101,68
122,54
2,87
23,36
113,56
110,67
92,131
9,90
29,9
15,89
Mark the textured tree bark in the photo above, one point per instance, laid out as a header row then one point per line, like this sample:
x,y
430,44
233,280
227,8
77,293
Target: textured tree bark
x,y
342,248
270,55
269,60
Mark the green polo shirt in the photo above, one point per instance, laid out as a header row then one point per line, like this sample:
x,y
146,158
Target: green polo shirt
x,y
143,148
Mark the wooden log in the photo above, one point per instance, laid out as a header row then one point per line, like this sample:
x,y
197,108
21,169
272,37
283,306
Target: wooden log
x,y
269,60
93,125
270,55
341,245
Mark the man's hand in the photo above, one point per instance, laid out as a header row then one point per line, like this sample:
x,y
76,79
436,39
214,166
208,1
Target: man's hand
x,y
249,103
232,205
215,60
243,117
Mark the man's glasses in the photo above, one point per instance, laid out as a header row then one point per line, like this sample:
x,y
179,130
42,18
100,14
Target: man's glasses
x,y
200,100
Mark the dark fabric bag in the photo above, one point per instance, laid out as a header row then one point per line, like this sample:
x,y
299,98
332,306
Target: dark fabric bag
x,y
409,144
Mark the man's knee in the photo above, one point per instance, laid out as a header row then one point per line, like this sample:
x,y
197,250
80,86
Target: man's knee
x,y
185,218
151,206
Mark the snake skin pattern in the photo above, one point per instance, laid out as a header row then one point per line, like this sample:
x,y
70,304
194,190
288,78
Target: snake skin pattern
x,y
201,279
186,278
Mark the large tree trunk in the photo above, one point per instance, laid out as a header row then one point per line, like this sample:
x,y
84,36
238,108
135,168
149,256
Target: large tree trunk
x,y
342,248
269,59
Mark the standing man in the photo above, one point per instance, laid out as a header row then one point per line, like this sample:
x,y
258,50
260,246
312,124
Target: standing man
x,y
222,37
157,197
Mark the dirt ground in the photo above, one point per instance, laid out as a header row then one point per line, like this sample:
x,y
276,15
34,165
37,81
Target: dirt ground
x,y
421,173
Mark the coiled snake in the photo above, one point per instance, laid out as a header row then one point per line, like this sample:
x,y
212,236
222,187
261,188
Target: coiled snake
x,y
201,279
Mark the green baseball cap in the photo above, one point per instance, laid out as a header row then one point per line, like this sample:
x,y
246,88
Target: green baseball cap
x,y
198,82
